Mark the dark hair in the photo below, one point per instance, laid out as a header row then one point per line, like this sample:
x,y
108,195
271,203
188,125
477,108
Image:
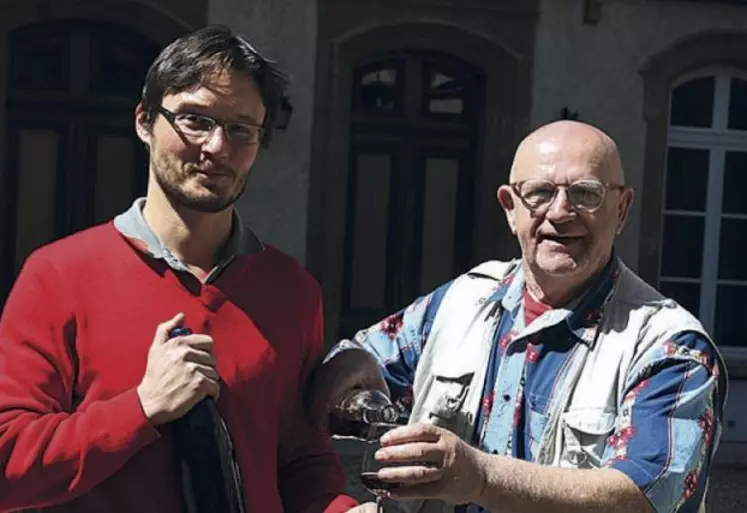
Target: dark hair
x,y
194,58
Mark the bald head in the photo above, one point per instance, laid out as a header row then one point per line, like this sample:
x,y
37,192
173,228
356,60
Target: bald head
x,y
568,140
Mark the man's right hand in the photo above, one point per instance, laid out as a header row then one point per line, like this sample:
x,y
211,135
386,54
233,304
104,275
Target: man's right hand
x,y
180,373
348,369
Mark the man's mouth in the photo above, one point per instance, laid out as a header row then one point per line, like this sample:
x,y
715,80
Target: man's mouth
x,y
211,171
561,239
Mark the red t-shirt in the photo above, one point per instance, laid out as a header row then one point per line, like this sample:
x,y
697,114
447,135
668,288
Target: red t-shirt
x,y
533,308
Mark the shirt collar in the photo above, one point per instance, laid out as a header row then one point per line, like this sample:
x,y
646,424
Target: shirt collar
x,y
582,315
132,225
584,320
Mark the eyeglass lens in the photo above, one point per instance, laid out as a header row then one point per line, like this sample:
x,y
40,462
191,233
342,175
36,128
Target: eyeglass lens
x,y
583,194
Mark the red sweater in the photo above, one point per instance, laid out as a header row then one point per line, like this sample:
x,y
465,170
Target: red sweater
x,y
74,338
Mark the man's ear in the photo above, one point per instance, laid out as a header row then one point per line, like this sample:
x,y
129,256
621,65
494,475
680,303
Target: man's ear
x,y
506,200
142,127
623,208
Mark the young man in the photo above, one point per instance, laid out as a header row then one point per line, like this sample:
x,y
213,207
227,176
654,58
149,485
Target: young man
x,y
90,378
559,382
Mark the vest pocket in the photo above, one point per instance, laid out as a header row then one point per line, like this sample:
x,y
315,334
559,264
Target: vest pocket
x,y
446,398
537,421
585,434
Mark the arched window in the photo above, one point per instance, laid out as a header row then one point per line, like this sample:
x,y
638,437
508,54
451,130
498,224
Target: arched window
x,y
704,231
412,164
74,159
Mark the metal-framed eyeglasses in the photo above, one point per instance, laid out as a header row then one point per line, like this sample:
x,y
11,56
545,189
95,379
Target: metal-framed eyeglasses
x,y
198,128
585,195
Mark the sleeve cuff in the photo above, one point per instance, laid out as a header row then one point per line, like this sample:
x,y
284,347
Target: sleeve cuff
x,y
341,504
131,429
640,477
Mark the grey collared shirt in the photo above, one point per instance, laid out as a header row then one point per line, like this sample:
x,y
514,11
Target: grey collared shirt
x,y
132,224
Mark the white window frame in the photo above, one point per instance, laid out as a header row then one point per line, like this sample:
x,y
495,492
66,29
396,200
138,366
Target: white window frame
x,y
718,140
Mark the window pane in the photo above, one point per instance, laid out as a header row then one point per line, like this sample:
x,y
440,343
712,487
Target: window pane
x,y
735,183
731,320
445,94
37,190
379,89
439,222
40,59
687,179
686,294
114,166
692,103
371,220
732,250
120,61
450,88
682,254
738,105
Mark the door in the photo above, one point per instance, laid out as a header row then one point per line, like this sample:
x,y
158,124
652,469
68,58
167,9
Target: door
x,y
411,178
74,159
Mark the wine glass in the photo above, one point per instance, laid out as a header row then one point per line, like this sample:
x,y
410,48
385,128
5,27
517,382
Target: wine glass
x,y
370,466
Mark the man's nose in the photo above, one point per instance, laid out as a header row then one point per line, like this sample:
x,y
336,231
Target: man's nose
x,y
560,209
217,142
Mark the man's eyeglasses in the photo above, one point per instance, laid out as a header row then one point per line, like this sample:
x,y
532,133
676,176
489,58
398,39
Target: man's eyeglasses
x,y
585,195
198,128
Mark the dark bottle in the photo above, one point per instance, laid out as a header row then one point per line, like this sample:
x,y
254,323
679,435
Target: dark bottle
x,y
210,477
364,414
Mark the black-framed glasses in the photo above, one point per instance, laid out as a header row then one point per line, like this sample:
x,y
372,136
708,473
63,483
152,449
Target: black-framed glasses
x,y
586,195
198,128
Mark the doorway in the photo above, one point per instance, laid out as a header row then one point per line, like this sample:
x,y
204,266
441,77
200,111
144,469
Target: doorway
x,y
73,157
414,127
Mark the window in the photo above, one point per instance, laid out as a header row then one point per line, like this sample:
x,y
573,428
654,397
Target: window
x,y
378,89
704,226
411,175
73,157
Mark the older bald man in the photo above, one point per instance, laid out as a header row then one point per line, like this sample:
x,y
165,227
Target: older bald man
x,y
558,382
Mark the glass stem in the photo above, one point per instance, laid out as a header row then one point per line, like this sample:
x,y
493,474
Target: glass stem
x,y
379,504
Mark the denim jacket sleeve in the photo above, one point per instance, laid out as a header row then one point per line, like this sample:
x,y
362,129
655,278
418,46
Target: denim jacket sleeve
x,y
397,343
670,423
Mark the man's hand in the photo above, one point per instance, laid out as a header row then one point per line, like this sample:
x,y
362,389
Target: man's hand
x,y
349,369
432,463
179,374
366,507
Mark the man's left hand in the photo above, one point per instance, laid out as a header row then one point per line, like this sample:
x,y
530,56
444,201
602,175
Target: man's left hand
x,y
431,463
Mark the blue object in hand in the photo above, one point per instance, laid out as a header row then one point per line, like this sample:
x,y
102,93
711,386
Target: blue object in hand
x,y
179,332
210,476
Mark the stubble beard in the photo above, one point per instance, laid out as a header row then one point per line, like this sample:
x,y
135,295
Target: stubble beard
x,y
171,176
